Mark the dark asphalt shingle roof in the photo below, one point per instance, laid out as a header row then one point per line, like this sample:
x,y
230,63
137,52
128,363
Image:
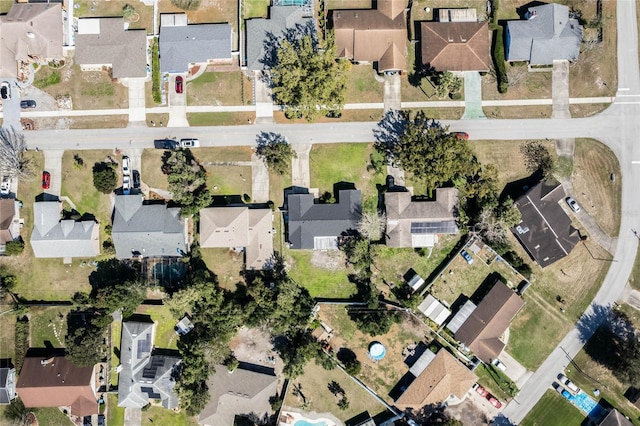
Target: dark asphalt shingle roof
x,y
545,230
308,220
548,35
182,45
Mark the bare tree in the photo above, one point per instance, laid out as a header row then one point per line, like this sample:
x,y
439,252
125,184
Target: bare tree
x,y
516,74
13,162
371,225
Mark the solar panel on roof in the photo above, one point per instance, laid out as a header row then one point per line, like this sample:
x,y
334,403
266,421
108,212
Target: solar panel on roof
x,y
144,346
149,373
446,227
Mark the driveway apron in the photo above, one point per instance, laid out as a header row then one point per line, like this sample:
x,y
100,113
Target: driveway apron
x,y
472,96
560,90
53,164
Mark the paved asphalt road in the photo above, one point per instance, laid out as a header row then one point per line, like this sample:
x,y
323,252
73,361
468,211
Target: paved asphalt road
x,y
618,127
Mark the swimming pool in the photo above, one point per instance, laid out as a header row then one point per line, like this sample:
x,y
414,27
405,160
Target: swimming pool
x,y
585,403
302,422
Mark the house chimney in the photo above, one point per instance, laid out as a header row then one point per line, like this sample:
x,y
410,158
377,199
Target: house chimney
x,y
46,361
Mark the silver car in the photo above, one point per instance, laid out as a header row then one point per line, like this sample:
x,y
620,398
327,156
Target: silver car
x,y
573,204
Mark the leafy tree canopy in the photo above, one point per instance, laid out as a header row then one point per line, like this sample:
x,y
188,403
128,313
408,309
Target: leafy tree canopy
x,y
275,151
187,180
85,339
105,178
308,81
537,158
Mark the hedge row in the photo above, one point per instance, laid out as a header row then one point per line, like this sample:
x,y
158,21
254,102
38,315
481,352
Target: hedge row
x,y
155,72
21,341
499,60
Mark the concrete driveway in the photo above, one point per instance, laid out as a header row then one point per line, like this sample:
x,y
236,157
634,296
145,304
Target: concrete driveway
x,y
263,99
53,164
300,166
11,107
137,111
392,92
560,89
132,416
259,180
177,104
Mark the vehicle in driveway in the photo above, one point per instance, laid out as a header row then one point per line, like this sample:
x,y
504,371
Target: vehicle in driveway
x,y
46,180
100,419
5,186
179,84
467,257
5,90
494,401
135,179
29,103
573,204
165,144
126,166
568,384
126,185
189,143
480,390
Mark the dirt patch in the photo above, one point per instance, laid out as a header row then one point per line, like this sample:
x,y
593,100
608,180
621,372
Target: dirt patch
x,y
332,260
254,346
468,413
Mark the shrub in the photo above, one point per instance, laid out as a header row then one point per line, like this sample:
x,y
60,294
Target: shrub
x,y
455,96
14,248
105,178
21,340
246,198
78,162
378,161
186,4
499,60
155,72
352,367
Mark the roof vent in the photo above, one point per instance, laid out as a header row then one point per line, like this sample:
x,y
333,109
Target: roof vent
x,y
31,35
46,361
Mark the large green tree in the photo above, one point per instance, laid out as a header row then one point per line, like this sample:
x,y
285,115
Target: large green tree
x,y
85,339
187,180
307,80
105,178
426,149
275,151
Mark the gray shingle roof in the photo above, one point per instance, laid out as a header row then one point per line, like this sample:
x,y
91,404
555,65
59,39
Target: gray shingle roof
x,y
547,35
56,238
308,220
149,229
260,30
7,385
144,376
182,45
126,51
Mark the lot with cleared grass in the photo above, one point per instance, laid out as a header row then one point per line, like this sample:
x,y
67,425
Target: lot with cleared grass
x,y
347,115
161,416
537,111
220,118
325,171
229,180
142,19
323,273
362,85
219,88
87,89
553,410
7,334
313,384
255,8
115,414
48,325
226,264
384,374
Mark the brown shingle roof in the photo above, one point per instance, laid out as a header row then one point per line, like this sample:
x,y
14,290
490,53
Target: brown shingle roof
x,y
7,211
615,418
443,377
455,46
481,332
373,35
58,383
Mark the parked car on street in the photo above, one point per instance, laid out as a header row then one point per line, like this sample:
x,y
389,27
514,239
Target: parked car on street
x,y
189,143
29,103
573,204
46,180
467,257
179,82
564,381
5,90
5,185
165,144
126,166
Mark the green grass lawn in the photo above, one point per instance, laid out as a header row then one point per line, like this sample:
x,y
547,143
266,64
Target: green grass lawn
x,y
362,85
319,281
220,118
48,324
165,337
115,414
219,88
634,279
229,180
226,264
491,379
553,410
53,417
116,334
161,416
7,335
255,8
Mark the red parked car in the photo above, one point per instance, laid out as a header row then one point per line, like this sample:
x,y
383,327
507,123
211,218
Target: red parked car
x,y
178,84
462,135
493,401
482,391
46,180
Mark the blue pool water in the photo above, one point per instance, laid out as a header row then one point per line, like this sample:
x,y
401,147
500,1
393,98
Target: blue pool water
x,y
585,403
306,423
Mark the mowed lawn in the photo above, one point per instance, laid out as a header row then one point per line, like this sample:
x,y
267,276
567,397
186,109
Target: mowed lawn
x,y
165,335
330,282
553,410
219,88
362,85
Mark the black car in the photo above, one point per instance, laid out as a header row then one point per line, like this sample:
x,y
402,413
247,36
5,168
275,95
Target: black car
x,y
136,179
86,421
101,420
28,104
165,144
5,90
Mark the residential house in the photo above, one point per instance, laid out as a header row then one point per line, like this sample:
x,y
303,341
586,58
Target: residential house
x,y
54,236
455,46
412,223
242,228
7,385
57,382
104,42
145,375
545,230
548,33
182,45
483,329
438,378
30,32
319,226
615,418
9,221
245,391
147,230
377,36
261,32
